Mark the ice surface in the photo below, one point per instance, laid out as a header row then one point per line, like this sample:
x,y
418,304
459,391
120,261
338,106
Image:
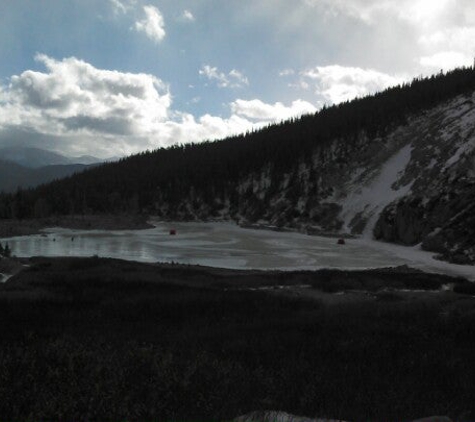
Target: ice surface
x,y
228,246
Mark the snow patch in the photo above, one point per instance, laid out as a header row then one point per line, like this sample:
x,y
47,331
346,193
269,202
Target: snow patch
x,y
464,149
370,200
432,164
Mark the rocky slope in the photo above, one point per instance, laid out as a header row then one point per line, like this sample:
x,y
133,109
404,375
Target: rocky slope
x,y
413,184
398,166
275,416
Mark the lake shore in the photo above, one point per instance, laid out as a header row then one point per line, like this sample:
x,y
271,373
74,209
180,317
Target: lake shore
x,y
11,228
215,244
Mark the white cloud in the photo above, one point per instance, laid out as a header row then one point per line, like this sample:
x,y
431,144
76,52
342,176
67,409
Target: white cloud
x,y
73,98
187,16
338,83
207,127
458,40
118,6
123,6
234,79
421,12
287,72
446,60
260,111
152,24
76,108
442,22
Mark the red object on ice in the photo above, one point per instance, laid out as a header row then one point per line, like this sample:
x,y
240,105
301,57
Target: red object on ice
x,y
341,241
172,232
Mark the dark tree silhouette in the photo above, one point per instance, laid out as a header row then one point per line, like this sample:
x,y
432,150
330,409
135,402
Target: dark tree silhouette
x,y
208,173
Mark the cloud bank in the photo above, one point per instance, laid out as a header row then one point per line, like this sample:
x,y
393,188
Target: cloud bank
x,y
335,84
80,109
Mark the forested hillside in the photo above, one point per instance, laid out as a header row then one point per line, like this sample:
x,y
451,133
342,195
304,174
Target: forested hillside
x,y
400,162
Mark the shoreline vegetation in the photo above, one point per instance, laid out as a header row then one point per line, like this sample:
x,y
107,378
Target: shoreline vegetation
x,y
26,227
95,338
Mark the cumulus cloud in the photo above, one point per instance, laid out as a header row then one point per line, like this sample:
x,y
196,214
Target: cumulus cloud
x,y
76,108
73,98
336,84
233,79
287,72
446,60
187,16
119,6
207,127
260,111
153,24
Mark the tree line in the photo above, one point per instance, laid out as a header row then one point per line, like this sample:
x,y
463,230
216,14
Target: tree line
x,y
210,171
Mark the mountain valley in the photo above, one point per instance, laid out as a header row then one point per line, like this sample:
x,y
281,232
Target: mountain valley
x,y
398,166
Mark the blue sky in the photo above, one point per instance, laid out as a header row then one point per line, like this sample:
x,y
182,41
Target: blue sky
x,y
114,77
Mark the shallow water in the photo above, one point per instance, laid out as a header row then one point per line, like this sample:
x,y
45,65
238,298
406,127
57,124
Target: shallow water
x,y
229,246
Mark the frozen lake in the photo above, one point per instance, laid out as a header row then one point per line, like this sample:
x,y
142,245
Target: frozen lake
x,y
229,246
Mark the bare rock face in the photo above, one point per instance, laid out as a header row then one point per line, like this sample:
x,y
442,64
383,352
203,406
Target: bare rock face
x,y
444,223
412,183
402,222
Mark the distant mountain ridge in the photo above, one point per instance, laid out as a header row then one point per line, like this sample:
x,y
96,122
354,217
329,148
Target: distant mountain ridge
x,y
398,166
14,176
36,157
28,167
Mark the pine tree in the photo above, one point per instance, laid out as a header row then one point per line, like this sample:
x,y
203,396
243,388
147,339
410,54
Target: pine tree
x,y
7,251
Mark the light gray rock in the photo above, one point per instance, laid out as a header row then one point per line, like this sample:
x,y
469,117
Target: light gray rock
x,y
276,416
434,419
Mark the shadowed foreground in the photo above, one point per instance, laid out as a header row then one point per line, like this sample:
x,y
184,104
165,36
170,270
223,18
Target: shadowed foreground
x,y
106,339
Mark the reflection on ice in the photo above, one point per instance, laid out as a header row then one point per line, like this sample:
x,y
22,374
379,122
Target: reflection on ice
x,y
229,246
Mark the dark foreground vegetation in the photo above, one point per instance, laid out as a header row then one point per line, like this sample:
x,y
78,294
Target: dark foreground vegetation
x,y
97,339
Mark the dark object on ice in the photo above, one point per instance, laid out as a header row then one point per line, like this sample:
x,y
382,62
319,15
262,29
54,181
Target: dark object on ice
x,y
172,232
341,241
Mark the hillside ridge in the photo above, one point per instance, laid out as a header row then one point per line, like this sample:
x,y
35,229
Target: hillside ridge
x,y
398,165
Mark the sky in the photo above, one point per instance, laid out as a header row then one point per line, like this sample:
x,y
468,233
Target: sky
x,y
115,77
